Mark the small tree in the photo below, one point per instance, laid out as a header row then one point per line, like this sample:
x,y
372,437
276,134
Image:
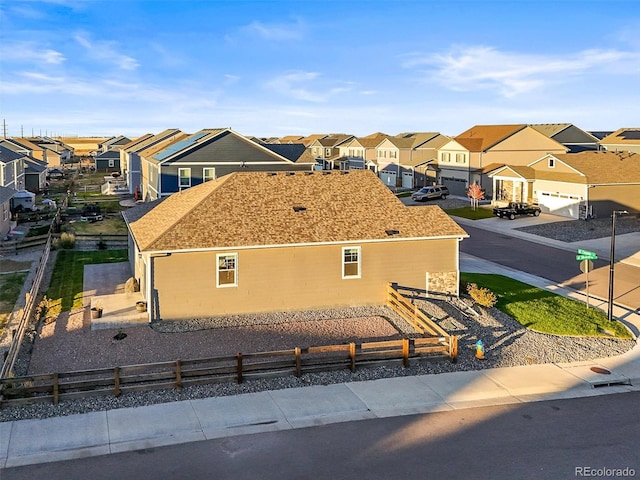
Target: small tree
x,y
476,194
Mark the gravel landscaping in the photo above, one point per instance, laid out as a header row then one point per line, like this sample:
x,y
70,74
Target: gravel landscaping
x,y
577,230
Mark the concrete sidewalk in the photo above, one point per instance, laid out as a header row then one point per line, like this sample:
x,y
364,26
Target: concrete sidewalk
x,y
61,438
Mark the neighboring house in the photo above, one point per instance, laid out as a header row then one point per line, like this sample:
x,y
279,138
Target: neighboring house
x,y
6,194
22,145
204,156
113,143
56,153
423,164
390,154
11,169
252,242
108,161
470,156
572,137
326,151
130,163
622,140
575,185
362,150
35,175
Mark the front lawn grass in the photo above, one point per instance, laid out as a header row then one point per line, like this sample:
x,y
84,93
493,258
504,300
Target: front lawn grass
x,y
544,311
65,289
468,212
10,286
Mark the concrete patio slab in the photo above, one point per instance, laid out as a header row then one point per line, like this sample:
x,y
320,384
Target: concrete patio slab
x,y
58,438
153,426
118,311
320,405
397,396
239,415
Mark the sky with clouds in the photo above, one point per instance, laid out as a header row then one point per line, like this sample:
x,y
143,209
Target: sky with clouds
x,y
275,68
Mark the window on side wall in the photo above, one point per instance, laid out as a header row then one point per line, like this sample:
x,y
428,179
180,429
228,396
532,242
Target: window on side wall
x,y
184,178
351,257
208,174
227,270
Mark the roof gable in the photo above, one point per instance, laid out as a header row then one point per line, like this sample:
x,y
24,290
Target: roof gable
x,y
483,137
216,214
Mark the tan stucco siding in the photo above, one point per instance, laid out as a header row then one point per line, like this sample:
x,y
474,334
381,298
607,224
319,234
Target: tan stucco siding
x,y
529,140
296,278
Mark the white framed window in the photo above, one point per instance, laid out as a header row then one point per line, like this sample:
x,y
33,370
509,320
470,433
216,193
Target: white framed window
x,y
184,178
208,173
351,262
226,270
327,152
446,157
393,154
112,163
460,157
551,162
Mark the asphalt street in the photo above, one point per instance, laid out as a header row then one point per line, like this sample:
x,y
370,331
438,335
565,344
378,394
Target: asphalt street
x,y
552,440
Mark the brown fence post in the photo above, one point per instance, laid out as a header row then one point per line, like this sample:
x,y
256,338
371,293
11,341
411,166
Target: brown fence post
x,y
297,353
178,375
352,356
405,352
116,381
56,391
453,348
239,357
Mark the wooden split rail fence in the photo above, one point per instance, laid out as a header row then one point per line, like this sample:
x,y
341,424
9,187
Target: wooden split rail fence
x,y
235,368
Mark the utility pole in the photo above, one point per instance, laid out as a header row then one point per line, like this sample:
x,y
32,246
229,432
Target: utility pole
x,y
4,128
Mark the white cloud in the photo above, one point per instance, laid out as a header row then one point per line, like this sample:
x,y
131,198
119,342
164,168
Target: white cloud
x,y
31,52
106,51
306,86
276,32
512,74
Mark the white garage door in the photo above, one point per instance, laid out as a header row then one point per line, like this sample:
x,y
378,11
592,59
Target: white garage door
x,y
407,179
559,204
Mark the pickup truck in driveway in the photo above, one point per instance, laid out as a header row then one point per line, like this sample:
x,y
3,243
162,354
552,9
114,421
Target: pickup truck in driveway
x,y
514,209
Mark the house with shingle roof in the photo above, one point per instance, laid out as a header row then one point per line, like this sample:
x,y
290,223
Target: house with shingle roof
x,y
360,152
464,160
575,185
327,152
252,242
205,155
35,175
572,137
622,140
11,168
130,162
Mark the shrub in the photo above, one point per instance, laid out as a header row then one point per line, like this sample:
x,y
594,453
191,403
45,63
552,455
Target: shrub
x,y
67,240
482,296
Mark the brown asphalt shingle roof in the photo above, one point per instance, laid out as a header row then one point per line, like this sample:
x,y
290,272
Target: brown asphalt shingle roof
x,y
246,209
482,137
605,167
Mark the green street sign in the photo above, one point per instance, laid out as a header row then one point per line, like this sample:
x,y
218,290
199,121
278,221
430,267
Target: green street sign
x,y
585,252
586,257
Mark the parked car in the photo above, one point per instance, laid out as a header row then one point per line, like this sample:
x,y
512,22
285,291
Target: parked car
x,y
514,209
428,193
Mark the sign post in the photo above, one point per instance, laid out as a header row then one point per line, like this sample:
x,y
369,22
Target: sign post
x,y
585,258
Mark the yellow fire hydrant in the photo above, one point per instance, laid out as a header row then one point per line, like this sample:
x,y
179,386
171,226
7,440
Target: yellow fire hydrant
x,y
479,350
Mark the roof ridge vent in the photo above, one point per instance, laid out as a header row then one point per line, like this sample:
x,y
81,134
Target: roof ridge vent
x,y
299,208
271,174
391,232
